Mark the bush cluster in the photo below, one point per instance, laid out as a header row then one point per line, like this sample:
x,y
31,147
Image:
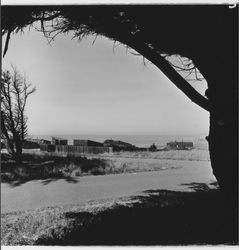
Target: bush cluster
x,y
37,166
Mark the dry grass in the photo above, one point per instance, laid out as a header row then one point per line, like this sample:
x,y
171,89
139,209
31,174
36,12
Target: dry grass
x,y
187,155
25,227
159,217
198,153
59,165
131,165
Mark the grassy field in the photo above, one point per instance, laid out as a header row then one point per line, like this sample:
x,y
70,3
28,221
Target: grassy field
x,y
180,217
187,155
27,227
41,165
159,217
198,153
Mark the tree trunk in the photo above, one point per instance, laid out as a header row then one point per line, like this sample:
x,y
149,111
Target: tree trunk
x,y
223,139
18,153
222,94
224,160
9,146
223,153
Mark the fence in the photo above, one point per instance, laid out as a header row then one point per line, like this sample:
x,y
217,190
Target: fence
x,y
75,149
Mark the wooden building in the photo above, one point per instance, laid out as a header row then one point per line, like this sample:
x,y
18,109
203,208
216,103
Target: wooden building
x,y
39,141
179,145
71,149
119,145
28,144
87,143
58,141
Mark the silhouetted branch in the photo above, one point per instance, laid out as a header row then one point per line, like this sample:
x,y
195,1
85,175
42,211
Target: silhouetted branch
x,y
170,72
7,42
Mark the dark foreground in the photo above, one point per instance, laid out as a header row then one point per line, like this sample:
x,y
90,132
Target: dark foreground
x,y
161,218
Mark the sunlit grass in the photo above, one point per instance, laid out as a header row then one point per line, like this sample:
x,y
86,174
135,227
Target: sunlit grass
x,y
25,227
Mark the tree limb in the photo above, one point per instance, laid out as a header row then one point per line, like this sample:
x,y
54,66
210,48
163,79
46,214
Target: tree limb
x,y
169,71
175,77
7,42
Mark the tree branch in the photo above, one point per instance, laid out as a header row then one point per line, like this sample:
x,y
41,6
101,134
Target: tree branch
x,y
7,42
168,70
175,77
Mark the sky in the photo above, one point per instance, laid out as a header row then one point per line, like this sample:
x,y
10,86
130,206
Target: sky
x,y
86,88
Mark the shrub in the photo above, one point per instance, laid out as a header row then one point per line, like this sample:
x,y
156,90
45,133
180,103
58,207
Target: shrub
x,y
38,166
153,148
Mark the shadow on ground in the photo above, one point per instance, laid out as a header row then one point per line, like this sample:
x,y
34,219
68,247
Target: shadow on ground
x,y
44,180
157,217
49,168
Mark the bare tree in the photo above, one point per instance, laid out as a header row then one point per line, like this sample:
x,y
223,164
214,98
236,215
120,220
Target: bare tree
x,y
14,94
